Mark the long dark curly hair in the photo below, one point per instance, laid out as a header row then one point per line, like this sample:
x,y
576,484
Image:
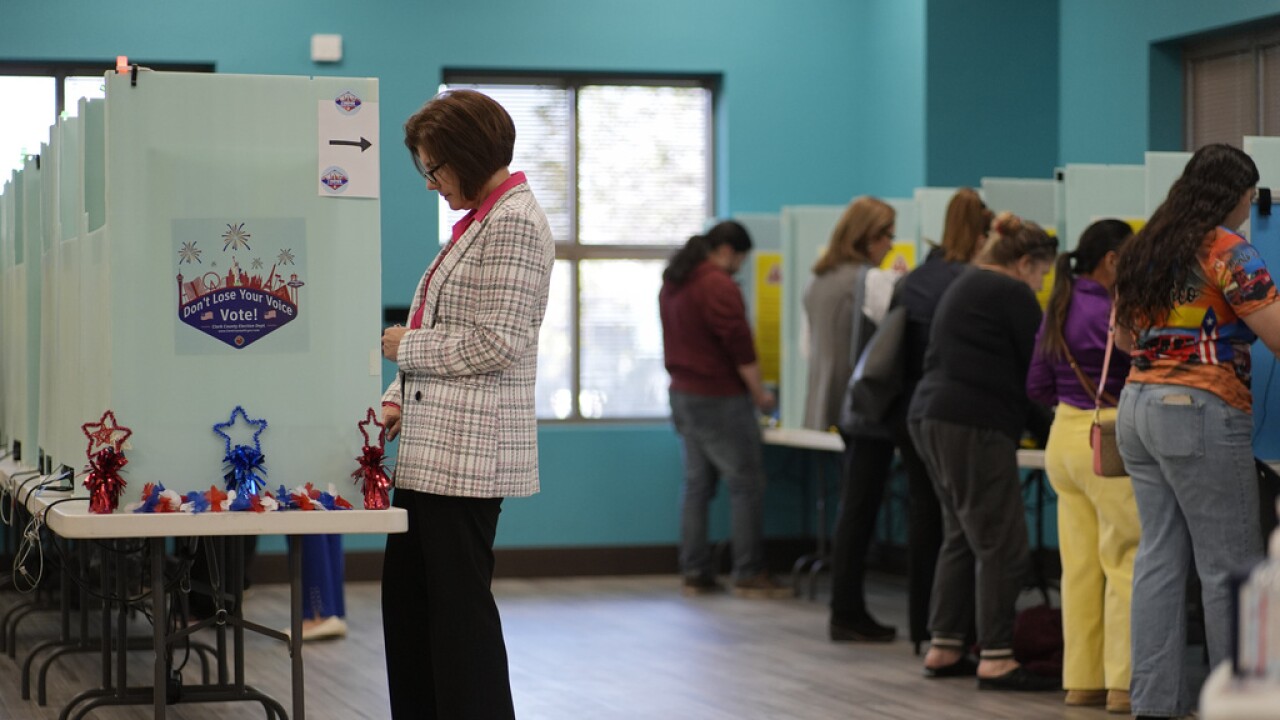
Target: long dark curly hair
x,y
1159,263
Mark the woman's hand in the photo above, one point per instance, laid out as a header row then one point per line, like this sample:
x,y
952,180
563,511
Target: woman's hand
x,y
765,400
391,341
391,419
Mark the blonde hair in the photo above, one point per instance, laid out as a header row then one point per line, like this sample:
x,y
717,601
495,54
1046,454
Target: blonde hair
x,y
1013,238
865,220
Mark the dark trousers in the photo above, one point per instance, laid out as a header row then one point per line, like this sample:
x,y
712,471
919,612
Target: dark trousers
x,y
924,530
866,465
445,654
984,556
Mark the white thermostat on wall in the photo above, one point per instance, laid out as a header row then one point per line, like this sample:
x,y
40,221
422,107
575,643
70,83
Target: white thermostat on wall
x,y
326,48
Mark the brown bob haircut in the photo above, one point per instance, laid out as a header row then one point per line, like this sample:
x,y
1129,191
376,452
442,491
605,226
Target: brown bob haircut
x,y
466,130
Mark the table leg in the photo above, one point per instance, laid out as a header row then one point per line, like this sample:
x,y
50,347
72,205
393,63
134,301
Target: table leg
x,y
295,625
159,621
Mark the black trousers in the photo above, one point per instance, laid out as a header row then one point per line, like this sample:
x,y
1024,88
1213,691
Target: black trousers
x,y
866,471
984,556
924,530
446,657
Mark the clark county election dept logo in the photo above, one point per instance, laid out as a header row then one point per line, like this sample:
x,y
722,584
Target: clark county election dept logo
x,y
334,179
230,303
348,102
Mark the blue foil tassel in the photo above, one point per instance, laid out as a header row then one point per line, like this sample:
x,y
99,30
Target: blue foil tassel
x,y
245,475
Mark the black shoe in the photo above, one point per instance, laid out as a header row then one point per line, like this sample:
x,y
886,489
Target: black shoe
x,y
695,585
863,630
964,667
1020,679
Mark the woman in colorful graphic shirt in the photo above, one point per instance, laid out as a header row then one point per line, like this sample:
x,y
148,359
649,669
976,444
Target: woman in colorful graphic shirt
x,y
1192,296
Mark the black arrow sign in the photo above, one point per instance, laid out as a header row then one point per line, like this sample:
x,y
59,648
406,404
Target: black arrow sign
x,y
362,144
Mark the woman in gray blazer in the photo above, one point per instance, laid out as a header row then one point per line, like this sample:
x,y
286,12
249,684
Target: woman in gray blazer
x,y
463,406
848,289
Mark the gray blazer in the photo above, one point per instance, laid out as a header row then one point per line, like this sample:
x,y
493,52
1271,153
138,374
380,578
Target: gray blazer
x,y
829,303
466,380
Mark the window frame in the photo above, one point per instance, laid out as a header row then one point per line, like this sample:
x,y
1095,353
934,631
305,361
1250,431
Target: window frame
x,y
60,70
570,249
1255,41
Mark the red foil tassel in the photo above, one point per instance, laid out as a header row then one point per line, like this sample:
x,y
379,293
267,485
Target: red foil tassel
x,y
104,481
374,482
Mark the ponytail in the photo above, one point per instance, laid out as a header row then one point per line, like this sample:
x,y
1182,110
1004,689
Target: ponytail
x,y
699,247
1053,344
1096,242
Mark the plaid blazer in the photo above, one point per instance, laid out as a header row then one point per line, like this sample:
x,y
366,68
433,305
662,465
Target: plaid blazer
x,y
466,380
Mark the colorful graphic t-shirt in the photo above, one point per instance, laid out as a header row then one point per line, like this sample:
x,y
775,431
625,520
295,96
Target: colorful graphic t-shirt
x,y
1204,343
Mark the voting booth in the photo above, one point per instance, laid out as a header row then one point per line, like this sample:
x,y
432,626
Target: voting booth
x,y
192,244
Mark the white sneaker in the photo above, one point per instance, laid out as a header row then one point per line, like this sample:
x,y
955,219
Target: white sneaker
x,y
331,628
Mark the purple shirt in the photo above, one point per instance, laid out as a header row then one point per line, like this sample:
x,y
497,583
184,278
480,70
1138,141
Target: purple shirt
x,y
1052,381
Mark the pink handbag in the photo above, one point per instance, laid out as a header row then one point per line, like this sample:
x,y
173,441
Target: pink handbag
x,y
1102,435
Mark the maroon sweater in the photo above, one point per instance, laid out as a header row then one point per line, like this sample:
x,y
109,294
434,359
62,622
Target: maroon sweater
x,y
705,335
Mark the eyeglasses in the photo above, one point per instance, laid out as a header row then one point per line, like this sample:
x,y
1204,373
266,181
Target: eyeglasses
x,y
428,173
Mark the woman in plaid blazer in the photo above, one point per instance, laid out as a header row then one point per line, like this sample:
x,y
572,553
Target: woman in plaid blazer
x,y
463,406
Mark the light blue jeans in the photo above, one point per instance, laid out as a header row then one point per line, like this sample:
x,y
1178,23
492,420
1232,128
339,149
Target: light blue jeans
x,y
1190,456
721,438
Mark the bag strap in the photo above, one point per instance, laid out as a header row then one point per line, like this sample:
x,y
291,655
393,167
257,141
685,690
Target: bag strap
x,y
1106,362
1085,382
859,299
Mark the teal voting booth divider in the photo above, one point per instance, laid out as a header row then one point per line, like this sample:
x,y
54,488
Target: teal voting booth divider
x,y
184,247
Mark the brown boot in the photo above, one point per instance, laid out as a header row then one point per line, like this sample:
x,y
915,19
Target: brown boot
x,y
1087,698
760,586
1118,702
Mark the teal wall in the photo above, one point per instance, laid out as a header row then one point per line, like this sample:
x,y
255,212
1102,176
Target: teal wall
x,y
992,88
796,85
822,100
1108,63
890,93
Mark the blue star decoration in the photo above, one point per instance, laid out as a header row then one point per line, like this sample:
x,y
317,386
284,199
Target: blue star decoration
x,y
258,425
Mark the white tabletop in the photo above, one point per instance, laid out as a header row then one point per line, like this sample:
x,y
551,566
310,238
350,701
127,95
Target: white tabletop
x,y
1030,459
73,519
831,442
804,439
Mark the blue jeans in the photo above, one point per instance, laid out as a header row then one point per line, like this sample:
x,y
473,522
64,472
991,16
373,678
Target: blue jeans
x,y
1190,456
721,439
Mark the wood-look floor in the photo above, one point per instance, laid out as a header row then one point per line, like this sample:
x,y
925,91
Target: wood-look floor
x,y
595,649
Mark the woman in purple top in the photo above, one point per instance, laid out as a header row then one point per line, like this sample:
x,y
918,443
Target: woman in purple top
x,y
1098,525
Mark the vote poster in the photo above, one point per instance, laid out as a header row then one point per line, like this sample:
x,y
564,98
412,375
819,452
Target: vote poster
x,y
239,281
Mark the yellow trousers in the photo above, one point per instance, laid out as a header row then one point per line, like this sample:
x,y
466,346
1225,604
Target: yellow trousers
x,y
1098,532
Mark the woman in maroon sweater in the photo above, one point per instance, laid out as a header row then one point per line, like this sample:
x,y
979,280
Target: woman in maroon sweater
x,y
715,389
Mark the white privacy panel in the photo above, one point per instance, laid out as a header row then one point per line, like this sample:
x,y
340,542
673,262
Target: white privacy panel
x,y
233,281
931,207
1030,198
185,256
1163,168
1094,192
805,232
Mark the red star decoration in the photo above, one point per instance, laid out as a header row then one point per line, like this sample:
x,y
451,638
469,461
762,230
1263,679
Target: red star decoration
x,y
105,433
371,418
216,497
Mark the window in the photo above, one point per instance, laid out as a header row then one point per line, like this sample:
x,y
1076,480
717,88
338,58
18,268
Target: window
x,y
623,167
36,92
1231,87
